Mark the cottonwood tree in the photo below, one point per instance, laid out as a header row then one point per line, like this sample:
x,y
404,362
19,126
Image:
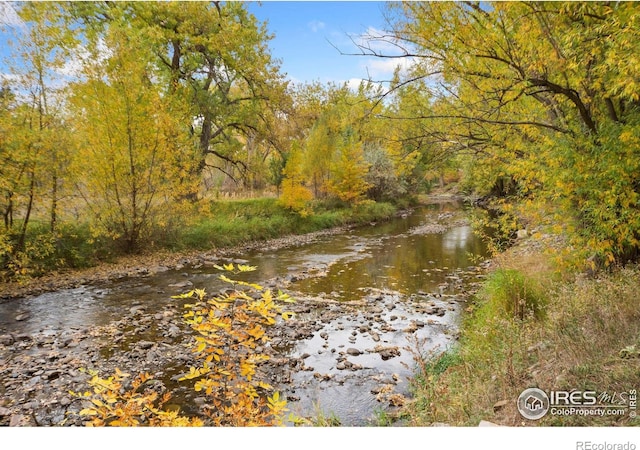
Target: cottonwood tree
x,y
32,146
133,149
544,94
214,57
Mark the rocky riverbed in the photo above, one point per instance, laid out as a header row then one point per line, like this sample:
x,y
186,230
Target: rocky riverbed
x,y
38,370
360,344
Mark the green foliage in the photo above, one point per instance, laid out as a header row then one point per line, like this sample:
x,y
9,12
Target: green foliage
x,y
535,93
69,246
599,183
497,224
508,292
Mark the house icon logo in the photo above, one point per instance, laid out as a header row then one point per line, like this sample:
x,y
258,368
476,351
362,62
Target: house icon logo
x,y
533,403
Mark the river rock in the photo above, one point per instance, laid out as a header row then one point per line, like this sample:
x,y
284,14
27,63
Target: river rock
x,y
136,310
386,352
6,339
144,345
174,331
353,351
22,316
182,284
18,420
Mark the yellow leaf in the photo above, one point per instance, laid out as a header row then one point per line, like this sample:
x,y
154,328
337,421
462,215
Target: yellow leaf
x,y
226,279
256,332
185,295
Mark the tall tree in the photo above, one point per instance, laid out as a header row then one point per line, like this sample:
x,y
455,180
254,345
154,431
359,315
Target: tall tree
x,y
535,90
216,57
133,149
38,60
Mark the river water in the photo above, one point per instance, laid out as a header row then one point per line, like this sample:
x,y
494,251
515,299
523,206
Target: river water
x,y
381,294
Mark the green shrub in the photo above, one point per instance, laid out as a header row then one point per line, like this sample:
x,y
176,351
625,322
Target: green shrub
x,y
508,291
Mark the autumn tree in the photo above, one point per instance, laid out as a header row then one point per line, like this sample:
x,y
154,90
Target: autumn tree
x,y
295,194
214,57
32,147
133,147
542,94
349,169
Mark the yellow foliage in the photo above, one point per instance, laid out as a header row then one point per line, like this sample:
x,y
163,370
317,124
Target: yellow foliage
x,y
229,328
110,406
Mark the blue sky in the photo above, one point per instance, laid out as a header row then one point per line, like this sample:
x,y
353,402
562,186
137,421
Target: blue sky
x,y
308,32
308,38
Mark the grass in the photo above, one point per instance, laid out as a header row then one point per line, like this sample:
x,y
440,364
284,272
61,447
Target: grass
x,y
210,224
576,341
229,223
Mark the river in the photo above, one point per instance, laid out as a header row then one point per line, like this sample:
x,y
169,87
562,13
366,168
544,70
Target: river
x,y
369,301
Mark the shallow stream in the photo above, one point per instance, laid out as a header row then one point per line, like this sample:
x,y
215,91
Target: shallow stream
x,y
376,296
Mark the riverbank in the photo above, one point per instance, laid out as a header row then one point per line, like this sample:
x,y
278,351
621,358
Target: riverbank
x,y
536,324
229,228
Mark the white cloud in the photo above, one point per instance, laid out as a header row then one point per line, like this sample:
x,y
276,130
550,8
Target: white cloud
x,y
385,67
316,25
9,77
9,16
354,84
75,66
379,42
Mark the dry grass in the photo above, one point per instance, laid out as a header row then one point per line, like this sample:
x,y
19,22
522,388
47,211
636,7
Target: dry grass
x,y
577,345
